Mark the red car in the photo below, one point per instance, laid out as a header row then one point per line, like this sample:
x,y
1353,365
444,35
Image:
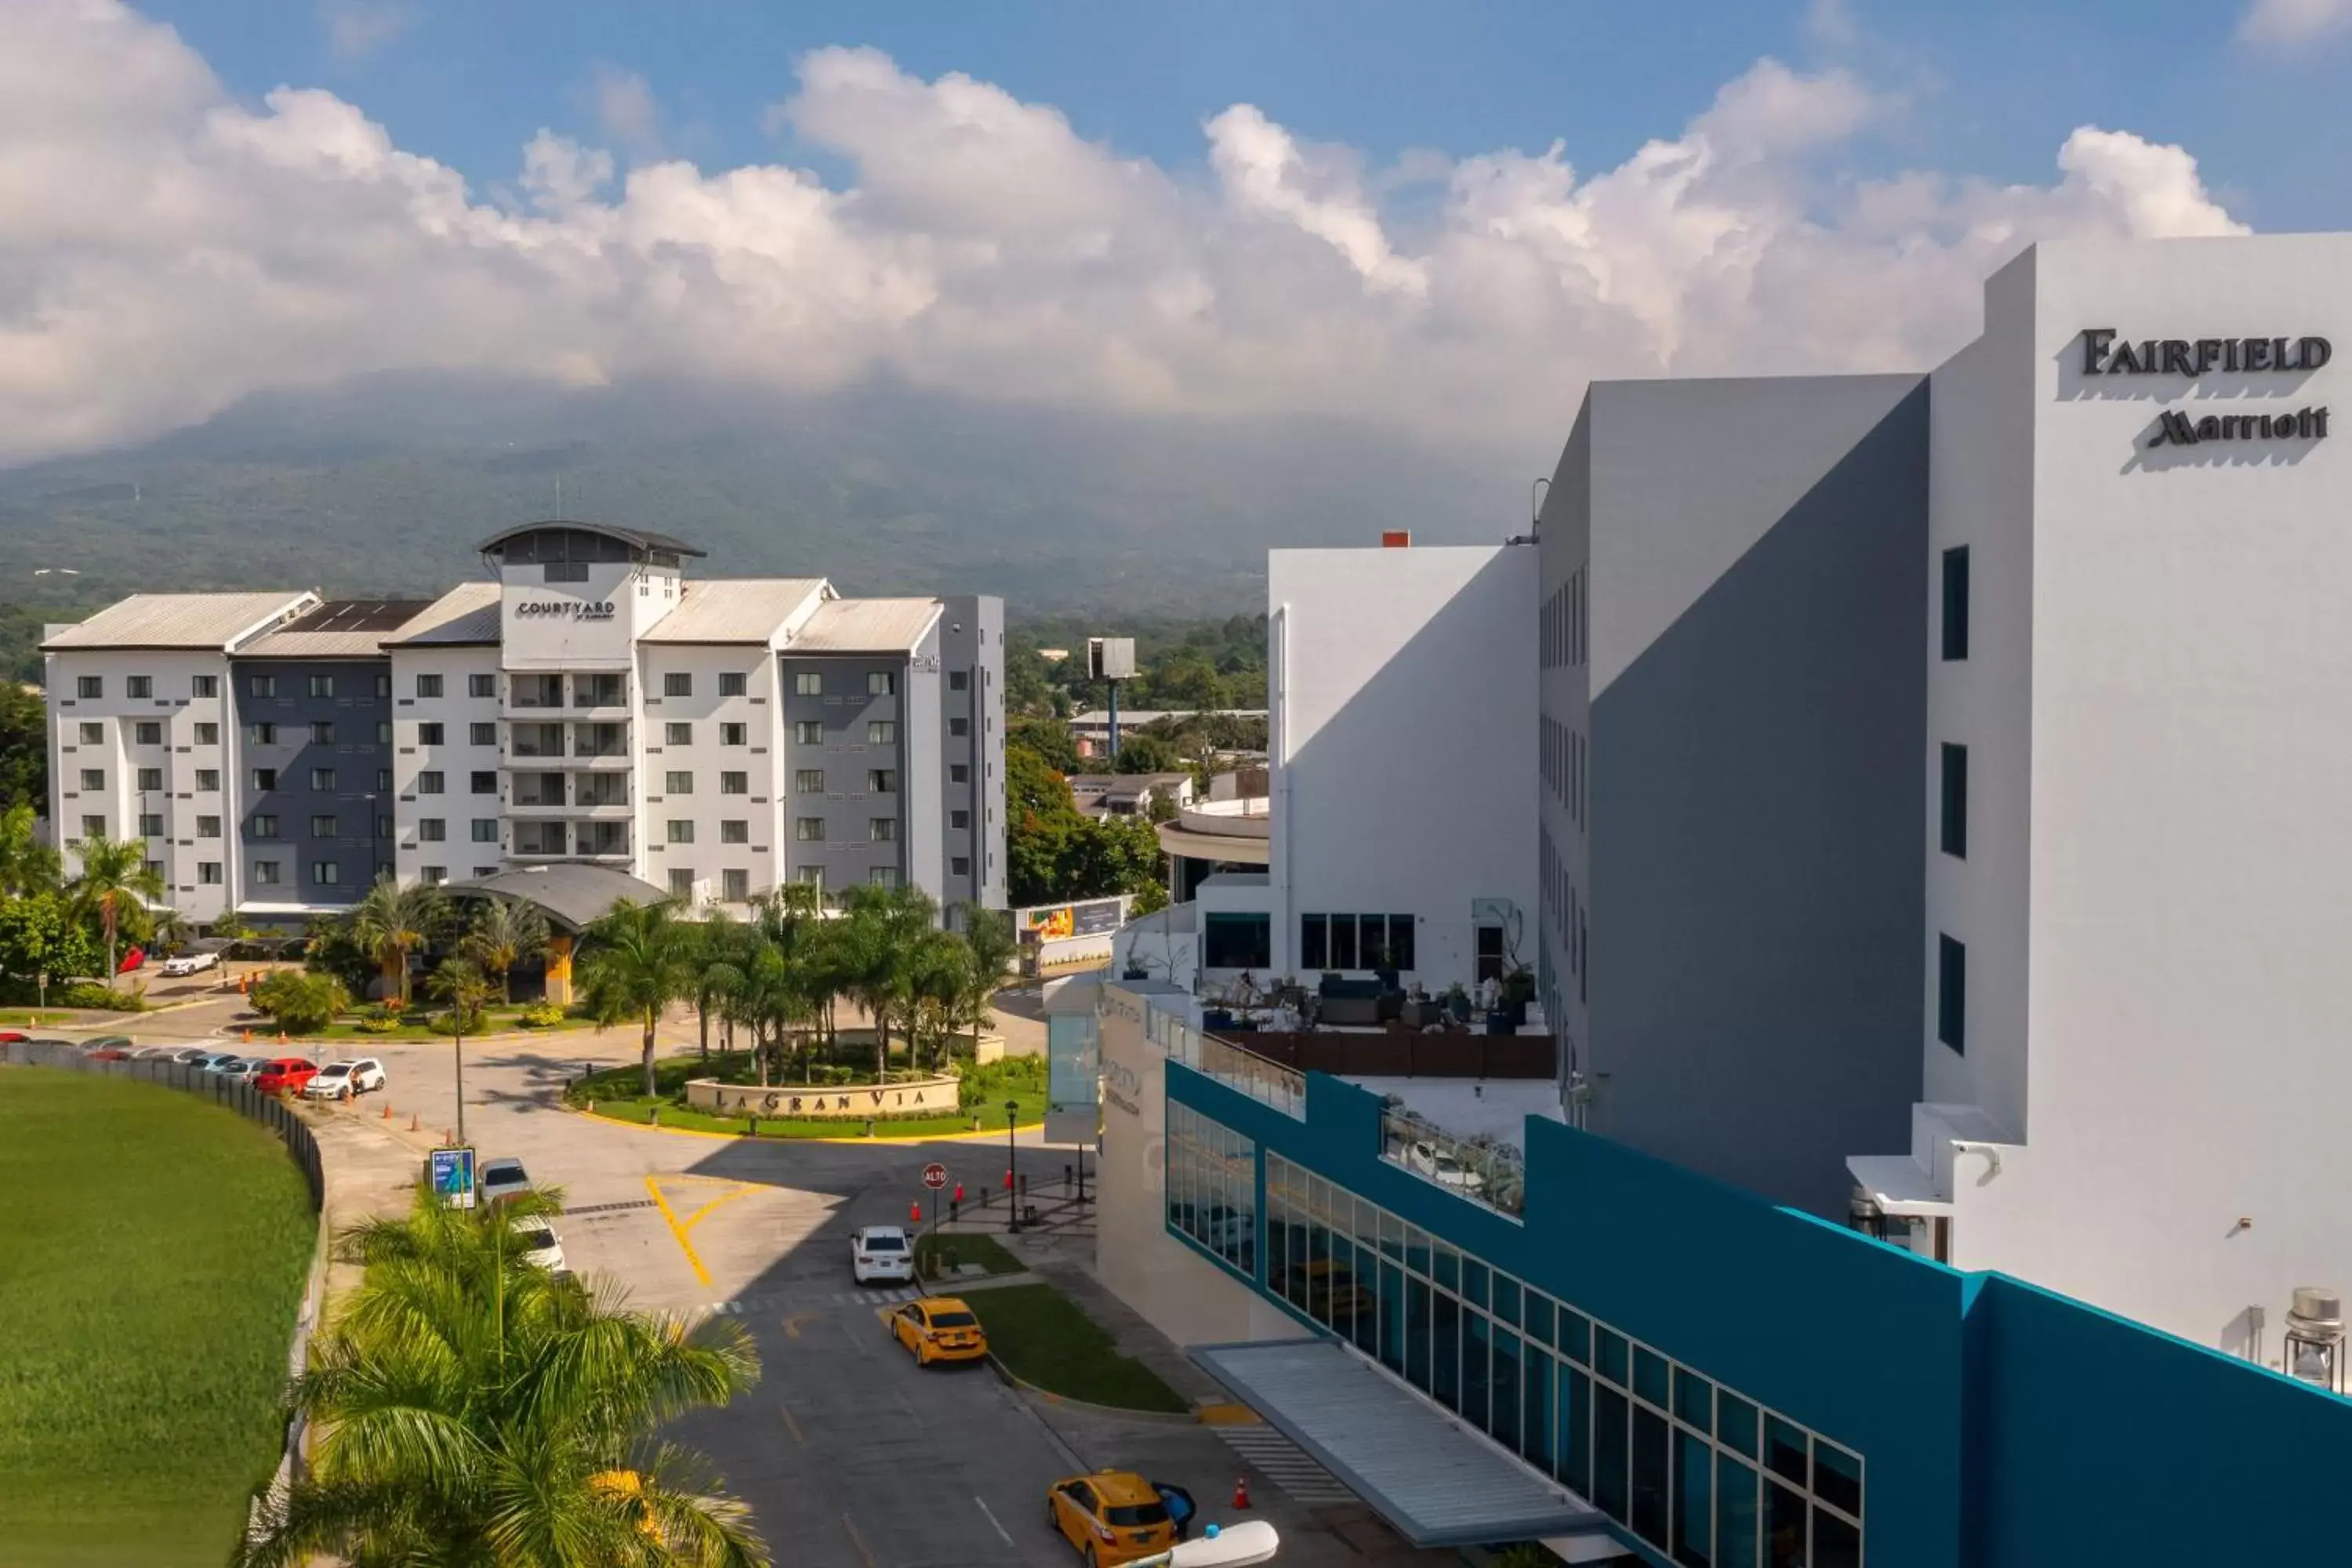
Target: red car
x,y
13,1036
284,1075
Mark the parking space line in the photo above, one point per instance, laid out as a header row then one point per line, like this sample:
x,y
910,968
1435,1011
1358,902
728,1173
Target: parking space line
x,y
992,1520
792,1425
679,1228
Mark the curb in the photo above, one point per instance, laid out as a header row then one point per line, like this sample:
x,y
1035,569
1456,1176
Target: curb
x,y
751,1138
1161,1418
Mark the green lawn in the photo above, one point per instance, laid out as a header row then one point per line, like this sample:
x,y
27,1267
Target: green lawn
x,y
1042,1339
1033,1111
500,1021
149,1273
932,1251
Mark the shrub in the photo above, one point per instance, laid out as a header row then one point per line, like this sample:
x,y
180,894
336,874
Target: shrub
x,y
378,1024
543,1015
446,1023
302,1003
90,994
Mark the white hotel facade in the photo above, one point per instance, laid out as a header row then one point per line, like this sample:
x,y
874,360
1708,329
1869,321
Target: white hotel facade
x,y
587,703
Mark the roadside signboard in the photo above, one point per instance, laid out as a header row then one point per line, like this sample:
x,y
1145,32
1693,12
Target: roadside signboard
x,y
451,1174
935,1176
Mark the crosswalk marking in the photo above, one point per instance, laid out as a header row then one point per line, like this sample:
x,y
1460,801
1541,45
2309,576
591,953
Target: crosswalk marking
x,y
1284,1463
868,1298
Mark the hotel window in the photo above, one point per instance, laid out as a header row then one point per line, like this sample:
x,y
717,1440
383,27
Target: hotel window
x,y
263,686
482,734
961,865
384,686
265,780
384,780
959,726
432,829
151,826
735,830
208,873
207,734
265,873
733,735
428,686
148,732
155,868
882,877
384,827
431,782
93,827
731,683
89,686
734,784
677,734
1956,603
881,732
1951,993
481,685
882,781
959,772
882,683
204,686
322,827
811,877
322,731
430,735
207,781
959,819
677,683
208,827
432,876
265,734
808,780
93,734
735,886
809,829
383,732
809,732
486,871
93,779
483,781
138,686
882,829
322,686
682,830
1955,835
486,830
957,679
677,784
681,881
265,826
151,779
325,873
1237,942
808,683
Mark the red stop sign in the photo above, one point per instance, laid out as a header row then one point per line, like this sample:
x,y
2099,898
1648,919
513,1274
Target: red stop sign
x,y
935,1176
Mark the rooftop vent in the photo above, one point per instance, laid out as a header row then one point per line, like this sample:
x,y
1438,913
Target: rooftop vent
x,y
2315,1336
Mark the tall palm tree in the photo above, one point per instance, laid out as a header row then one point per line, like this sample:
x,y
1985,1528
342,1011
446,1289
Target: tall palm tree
x,y
472,1411
391,924
937,979
28,866
504,932
988,934
880,930
640,963
461,986
716,947
117,886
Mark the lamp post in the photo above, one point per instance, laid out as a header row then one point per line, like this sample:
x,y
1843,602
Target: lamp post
x,y
1012,1182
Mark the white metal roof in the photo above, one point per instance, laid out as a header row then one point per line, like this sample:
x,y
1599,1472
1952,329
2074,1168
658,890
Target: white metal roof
x,y
735,609
466,614
182,620
866,626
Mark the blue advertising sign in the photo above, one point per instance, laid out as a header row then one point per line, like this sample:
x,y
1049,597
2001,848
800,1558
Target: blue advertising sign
x,y
451,1172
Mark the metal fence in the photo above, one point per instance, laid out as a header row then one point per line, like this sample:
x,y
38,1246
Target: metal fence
x,y
1481,1169
1270,1082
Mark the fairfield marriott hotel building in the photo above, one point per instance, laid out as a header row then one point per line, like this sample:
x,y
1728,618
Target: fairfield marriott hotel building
x,y
1941,852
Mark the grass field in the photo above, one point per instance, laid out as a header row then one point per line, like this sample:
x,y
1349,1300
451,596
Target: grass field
x,y
1042,1339
150,1272
932,1252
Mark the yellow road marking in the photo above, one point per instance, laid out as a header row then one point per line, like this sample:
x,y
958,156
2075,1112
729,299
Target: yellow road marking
x,y
792,1425
679,1228
1227,1416
793,1324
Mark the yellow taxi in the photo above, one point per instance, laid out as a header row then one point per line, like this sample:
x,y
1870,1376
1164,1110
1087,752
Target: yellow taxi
x,y
1112,1517
938,1327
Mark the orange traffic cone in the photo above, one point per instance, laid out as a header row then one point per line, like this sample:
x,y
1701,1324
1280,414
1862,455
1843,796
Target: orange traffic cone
x,y
246,1035
1241,1491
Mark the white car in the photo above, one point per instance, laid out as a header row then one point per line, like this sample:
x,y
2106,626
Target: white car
x,y
191,962
500,1179
541,1246
1440,1166
880,1254
342,1080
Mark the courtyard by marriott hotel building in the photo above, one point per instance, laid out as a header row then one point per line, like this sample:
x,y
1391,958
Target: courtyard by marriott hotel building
x,y
1940,851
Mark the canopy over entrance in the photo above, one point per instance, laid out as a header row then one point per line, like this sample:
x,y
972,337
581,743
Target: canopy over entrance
x,y
571,895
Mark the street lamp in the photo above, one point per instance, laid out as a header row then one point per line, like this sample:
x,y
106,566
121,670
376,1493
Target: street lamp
x,y
1011,1185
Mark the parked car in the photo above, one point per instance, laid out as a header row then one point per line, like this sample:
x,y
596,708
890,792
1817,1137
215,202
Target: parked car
x,y
1440,1166
109,1042
342,1080
194,1056
880,1253
132,960
192,963
241,1069
108,1054
500,1179
1111,1517
284,1075
227,1063
13,1036
938,1327
144,1053
541,1246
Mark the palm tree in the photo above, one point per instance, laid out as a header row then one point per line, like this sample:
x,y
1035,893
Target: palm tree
x,y
472,1411
28,866
505,933
718,946
640,964
117,886
988,933
465,990
391,923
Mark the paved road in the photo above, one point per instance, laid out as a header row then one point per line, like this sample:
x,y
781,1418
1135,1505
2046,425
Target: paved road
x,y
850,1456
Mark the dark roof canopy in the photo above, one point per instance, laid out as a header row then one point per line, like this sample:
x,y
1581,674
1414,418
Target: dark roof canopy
x,y
636,539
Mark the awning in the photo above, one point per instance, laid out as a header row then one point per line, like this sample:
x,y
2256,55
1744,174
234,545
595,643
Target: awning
x,y
1436,1482
1898,1185
573,895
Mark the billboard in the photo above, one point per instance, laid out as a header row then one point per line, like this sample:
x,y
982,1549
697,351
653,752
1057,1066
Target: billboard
x,y
1059,922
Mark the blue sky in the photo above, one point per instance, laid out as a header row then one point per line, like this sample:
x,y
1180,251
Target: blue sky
x,y
1989,89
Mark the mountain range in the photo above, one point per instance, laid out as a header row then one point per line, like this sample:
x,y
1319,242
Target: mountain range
x,y
386,484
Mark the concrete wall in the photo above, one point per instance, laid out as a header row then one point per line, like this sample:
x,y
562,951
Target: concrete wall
x,y
1404,744
1754,786
1564,719
359,757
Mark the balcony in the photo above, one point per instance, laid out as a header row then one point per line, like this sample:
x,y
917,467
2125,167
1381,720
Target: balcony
x,y
600,693
1482,1170
534,693
538,742
564,841
537,792
1268,1082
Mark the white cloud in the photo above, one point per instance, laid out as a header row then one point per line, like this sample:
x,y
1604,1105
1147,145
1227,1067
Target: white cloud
x,y
166,248
1832,24
358,28
2292,22
625,111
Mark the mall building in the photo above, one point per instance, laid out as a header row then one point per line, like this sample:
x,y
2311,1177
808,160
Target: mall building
x,y
1928,805
585,703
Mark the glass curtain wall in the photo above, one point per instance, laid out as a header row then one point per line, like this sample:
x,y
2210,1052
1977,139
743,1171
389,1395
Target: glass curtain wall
x,y
1213,1187
1699,1472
